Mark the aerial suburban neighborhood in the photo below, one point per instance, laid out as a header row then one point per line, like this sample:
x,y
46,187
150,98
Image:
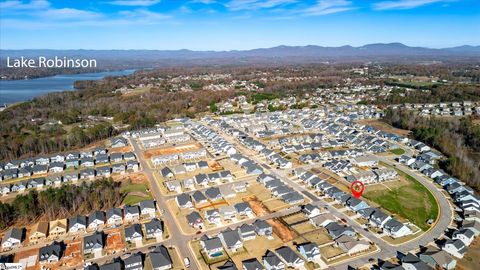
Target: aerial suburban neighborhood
x,y
240,135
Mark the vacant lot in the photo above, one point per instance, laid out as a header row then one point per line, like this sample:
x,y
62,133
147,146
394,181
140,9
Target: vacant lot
x,y
468,261
134,193
73,254
411,201
384,126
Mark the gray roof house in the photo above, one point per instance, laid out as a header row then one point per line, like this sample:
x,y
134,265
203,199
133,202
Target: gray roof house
x,y
133,233
160,258
134,262
50,254
272,261
93,243
290,257
252,264
309,251
231,240
77,224
153,228
262,227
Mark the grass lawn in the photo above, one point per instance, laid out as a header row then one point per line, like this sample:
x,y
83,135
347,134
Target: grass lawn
x,y
398,151
412,201
135,193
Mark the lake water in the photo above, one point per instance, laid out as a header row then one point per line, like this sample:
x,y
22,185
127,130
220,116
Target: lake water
x,y
23,90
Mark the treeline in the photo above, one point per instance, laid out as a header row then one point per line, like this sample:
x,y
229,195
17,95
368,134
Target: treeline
x,y
61,202
437,94
459,140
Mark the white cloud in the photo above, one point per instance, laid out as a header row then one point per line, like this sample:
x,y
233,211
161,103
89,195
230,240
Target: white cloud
x,y
139,3
69,13
325,7
19,5
205,2
237,5
403,4
144,16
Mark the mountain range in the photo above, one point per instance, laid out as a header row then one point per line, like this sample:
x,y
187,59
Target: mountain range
x,y
378,51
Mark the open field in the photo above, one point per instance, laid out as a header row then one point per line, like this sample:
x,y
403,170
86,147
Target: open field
x,y
384,126
398,151
135,193
411,200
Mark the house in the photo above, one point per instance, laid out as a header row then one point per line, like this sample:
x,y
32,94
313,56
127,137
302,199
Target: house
x,y
272,262
93,244
213,216
350,245
174,186
134,233
438,259
58,227
40,169
132,166
212,247
195,220
455,248
87,162
87,174
311,211
134,262
290,257
119,168
213,194
56,167
96,220
39,231
365,161
129,156
50,254
247,232
114,217
115,265
12,238
228,212
243,209
309,251
167,173
116,157
154,229
160,258
199,198
118,142
336,230
227,192
131,213
262,228
70,177
228,265
412,262
465,235
147,208
104,171
184,201
396,229
231,240
77,224
355,204
252,264
99,151
322,220
379,218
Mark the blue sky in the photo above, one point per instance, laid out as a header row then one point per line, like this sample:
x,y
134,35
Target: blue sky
x,y
235,24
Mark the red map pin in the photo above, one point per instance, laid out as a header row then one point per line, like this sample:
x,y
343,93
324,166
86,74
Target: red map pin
x,y
357,188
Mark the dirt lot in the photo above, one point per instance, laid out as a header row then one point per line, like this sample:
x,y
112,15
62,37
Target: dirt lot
x,y
281,230
330,252
468,261
319,236
171,150
73,254
28,258
257,206
114,241
124,149
294,218
384,126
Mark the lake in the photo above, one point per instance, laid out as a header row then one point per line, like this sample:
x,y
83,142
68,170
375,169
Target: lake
x,y
23,90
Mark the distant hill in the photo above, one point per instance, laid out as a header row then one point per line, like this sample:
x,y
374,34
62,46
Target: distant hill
x,y
310,53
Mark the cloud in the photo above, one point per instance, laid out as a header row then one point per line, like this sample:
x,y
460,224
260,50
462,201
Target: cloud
x,y
325,7
20,5
205,2
237,5
403,4
138,3
144,16
69,13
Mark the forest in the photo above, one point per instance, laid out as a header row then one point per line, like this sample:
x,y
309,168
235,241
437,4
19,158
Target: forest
x,y
458,139
61,202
